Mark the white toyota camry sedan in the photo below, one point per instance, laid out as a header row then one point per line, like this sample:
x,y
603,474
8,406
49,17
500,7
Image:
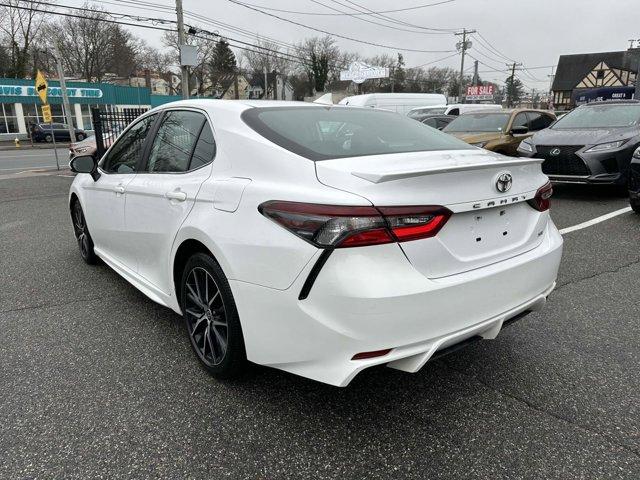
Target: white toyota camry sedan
x,y
320,240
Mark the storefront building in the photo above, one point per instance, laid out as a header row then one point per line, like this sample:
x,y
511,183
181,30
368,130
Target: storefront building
x,y
591,77
20,105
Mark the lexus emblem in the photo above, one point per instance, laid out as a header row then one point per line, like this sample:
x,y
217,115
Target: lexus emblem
x,y
504,181
555,152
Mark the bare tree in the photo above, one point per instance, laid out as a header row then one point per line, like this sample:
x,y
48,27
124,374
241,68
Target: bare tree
x,y
320,56
93,46
268,55
21,23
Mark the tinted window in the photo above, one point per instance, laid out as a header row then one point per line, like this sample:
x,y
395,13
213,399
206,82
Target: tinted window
x,y
350,132
479,122
601,116
431,122
174,142
126,152
521,120
205,148
539,121
443,122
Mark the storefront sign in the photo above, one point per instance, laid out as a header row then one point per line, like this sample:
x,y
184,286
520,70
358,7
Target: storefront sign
x,y
359,72
26,91
480,92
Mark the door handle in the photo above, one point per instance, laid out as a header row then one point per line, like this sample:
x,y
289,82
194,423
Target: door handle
x,y
176,195
118,189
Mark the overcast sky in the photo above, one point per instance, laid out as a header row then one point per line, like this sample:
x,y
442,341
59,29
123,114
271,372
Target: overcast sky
x,y
532,32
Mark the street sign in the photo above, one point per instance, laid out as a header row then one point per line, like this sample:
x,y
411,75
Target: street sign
x,y
359,72
41,87
46,113
480,92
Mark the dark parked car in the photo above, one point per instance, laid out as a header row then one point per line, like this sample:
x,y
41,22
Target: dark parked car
x,y
44,132
591,144
438,121
634,182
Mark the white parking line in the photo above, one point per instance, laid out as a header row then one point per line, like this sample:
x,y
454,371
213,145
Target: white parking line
x,y
595,221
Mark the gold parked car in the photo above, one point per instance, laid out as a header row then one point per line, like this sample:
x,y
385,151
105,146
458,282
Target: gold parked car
x,y
500,131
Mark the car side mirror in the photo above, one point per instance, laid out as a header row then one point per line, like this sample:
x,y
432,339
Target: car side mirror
x,y
519,130
85,164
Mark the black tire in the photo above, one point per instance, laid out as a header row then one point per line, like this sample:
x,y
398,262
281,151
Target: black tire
x,y
80,137
83,237
48,138
211,319
635,204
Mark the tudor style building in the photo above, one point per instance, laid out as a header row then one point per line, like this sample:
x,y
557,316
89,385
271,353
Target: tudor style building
x,y
594,76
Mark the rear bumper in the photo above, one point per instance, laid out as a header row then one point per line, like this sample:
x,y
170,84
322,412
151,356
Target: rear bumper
x,y
378,300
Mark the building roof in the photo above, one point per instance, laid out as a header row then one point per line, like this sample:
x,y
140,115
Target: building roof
x,y
573,68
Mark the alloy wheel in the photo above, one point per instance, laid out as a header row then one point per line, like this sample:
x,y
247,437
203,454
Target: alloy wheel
x,y
206,316
80,228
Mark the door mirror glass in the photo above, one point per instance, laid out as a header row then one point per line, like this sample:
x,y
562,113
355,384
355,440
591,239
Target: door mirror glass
x,y
85,164
519,130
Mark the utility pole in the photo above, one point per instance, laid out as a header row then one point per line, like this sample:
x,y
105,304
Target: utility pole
x,y
182,41
463,46
65,97
512,79
266,84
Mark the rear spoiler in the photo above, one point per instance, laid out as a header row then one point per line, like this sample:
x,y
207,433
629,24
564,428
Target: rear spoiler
x,y
380,177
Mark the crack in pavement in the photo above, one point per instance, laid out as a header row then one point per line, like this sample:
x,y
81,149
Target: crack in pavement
x,y
597,274
538,409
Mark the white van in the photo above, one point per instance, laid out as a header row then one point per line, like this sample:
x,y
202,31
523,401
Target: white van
x,y
454,109
396,102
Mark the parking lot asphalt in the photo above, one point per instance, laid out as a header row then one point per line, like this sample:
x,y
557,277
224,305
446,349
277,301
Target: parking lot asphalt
x,y
97,381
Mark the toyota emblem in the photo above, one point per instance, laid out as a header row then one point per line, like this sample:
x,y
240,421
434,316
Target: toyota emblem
x,y
504,181
555,152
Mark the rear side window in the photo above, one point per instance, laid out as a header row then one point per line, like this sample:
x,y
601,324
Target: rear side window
x,y
323,133
175,142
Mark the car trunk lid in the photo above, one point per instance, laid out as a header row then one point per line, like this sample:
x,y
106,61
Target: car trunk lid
x,y
487,225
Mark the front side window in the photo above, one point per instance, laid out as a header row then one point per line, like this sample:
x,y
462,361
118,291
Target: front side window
x,y
521,120
324,133
176,140
539,121
127,151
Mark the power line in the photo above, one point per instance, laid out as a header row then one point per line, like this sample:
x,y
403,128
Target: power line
x,y
354,15
297,12
368,11
236,2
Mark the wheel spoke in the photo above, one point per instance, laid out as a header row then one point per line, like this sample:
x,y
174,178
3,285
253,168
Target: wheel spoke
x,y
197,324
213,298
211,345
195,298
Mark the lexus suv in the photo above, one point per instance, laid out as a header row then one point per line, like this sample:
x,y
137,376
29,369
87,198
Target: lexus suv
x,y
592,144
320,240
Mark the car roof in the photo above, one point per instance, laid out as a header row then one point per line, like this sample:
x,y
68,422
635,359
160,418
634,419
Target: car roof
x,y
612,102
236,105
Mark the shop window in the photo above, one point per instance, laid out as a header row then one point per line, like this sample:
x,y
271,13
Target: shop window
x,y
8,119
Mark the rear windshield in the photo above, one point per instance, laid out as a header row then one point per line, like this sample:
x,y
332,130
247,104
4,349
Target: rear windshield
x,y
323,133
600,116
479,122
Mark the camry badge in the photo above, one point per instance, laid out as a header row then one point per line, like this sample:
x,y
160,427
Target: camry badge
x,y
555,152
504,181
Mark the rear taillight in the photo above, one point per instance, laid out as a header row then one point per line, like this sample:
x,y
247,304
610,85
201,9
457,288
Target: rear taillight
x,y
335,226
542,200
